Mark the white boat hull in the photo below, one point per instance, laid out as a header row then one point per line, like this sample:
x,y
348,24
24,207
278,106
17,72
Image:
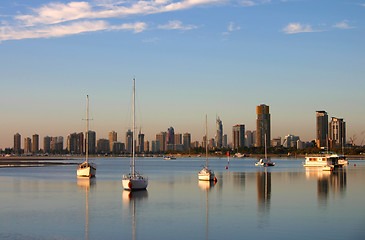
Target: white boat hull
x,y
88,171
206,175
134,183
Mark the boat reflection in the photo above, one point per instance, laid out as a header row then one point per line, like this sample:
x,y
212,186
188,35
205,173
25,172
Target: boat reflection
x,y
130,198
86,184
328,182
263,181
206,186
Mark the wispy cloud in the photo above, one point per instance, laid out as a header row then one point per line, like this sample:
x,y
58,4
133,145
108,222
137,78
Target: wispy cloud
x,y
231,27
343,25
176,25
293,28
73,17
11,33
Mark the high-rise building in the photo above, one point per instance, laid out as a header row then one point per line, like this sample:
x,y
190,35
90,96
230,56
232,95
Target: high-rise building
x,y
17,143
71,143
129,141
27,145
290,141
211,143
219,134
91,137
178,139
102,146
337,129
225,141
141,142
238,134
170,138
322,129
156,146
35,143
161,137
112,138
250,138
263,126
187,141
56,144
46,144
146,146
80,143
117,147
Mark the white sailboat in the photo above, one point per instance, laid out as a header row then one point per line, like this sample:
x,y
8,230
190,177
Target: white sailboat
x,y
206,174
86,169
133,180
265,162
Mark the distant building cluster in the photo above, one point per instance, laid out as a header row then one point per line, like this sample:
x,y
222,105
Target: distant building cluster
x,y
328,135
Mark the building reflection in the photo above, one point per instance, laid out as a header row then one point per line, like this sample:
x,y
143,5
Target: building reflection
x,y
131,199
328,182
86,184
263,181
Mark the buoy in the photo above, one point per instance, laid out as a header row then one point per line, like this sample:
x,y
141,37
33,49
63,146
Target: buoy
x,y
130,185
226,167
354,165
89,175
215,179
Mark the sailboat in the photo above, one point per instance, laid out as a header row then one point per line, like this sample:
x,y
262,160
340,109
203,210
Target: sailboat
x,y
86,169
265,162
133,180
206,174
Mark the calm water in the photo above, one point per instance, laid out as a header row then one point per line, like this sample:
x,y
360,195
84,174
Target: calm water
x,y
287,201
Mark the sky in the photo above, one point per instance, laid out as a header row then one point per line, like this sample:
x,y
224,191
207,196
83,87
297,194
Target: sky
x,y
189,58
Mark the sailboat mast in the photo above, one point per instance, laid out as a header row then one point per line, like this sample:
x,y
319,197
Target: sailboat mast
x,y
87,129
133,144
206,141
265,148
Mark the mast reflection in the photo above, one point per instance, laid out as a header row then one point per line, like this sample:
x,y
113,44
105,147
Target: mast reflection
x,y
263,181
130,198
86,184
206,186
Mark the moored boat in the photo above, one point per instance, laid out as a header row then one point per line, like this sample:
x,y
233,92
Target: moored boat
x,y
322,160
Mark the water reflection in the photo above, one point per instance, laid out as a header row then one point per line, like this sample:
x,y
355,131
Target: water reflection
x,y
328,181
131,198
85,184
263,181
206,186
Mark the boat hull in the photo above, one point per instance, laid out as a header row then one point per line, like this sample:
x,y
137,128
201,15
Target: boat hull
x,y
86,172
206,175
134,183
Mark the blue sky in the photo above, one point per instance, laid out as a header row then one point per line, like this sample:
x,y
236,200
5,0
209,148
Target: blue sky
x,y
189,57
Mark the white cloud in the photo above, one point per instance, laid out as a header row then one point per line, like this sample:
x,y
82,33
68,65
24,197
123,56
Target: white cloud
x,y
292,28
176,25
343,25
11,33
72,18
232,28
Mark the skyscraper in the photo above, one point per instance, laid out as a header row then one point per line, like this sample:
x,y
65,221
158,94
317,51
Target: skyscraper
x,y
170,138
147,146
337,129
17,143
219,134
102,146
140,142
46,144
187,141
80,143
27,145
161,137
263,126
35,143
322,129
91,135
112,138
129,141
238,134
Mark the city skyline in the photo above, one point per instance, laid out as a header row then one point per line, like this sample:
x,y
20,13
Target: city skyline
x,y
190,58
